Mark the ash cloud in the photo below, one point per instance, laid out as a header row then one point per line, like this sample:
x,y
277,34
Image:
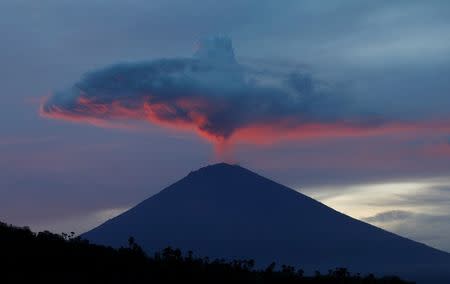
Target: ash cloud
x,y
209,93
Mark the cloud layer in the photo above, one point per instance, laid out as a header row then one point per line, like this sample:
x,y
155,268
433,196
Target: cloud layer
x,y
223,101
213,95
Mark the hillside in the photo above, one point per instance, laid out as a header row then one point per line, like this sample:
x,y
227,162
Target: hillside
x,y
226,211
27,257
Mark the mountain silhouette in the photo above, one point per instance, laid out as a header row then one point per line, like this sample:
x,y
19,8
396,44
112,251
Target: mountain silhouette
x,y
227,211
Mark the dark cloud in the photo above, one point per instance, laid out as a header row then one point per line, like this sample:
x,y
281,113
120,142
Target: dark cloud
x,y
221,99
431,228
389,216
436,195
210,92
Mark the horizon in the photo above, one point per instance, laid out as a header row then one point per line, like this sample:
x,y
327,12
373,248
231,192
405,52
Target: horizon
x,y
106,105
373,220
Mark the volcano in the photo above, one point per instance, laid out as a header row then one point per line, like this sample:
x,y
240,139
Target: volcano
x,y
227,211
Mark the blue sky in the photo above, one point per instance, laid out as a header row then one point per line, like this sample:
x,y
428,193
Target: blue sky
x,y
389,56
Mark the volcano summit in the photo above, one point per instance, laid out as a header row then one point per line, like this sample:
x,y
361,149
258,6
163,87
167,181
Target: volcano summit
x,y
228,211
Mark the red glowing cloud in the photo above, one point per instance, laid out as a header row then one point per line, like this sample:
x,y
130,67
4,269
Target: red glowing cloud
x,y
195,118
219,99
114,114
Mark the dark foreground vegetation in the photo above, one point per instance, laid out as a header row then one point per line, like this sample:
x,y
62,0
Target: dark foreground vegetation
x,y
28,257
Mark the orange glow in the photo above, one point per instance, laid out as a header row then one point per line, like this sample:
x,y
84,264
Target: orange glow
x,y
270,133
193,115
223,150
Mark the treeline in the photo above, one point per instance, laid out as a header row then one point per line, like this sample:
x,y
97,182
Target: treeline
x,y
44,257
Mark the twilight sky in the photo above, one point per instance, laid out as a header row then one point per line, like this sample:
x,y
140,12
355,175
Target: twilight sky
x,y
345,101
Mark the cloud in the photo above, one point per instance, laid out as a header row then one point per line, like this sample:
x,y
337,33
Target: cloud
x,y
432,229
436,195
218,98
413,208
210,93
388,216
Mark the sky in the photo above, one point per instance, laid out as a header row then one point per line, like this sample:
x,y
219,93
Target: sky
x,y
346,101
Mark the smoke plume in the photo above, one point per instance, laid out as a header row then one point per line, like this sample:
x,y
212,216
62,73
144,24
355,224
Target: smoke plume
x,y
214,95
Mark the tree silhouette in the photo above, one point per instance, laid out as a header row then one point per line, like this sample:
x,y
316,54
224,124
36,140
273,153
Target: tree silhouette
x,y
50,258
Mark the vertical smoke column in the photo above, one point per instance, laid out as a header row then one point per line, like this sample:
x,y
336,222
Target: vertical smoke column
x,y
218,51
